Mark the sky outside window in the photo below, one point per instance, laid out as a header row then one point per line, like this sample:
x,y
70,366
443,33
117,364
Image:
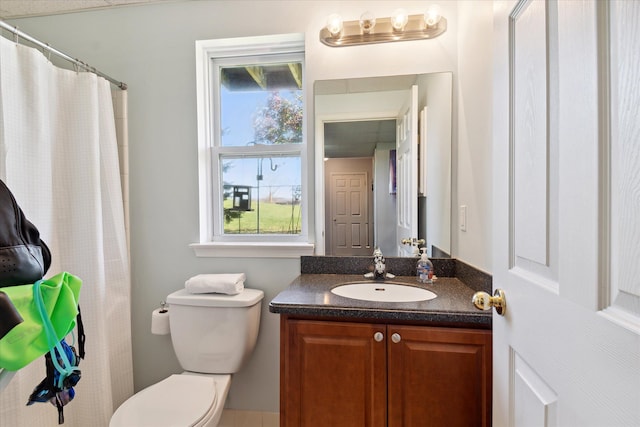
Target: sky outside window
x,y
239,110
241,106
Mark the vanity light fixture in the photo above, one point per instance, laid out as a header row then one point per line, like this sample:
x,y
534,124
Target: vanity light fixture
x,y
334,25
399,19
367,22
399,27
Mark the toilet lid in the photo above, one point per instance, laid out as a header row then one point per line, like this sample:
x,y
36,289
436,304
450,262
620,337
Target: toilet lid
x,y
180,400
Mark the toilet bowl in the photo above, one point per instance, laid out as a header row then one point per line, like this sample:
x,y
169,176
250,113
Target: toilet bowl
x,y
212,335
181,400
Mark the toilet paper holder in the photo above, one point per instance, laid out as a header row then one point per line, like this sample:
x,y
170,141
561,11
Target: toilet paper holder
x,y
160,324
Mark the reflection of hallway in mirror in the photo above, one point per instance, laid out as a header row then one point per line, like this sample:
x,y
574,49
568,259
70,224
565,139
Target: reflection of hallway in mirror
x,y
349,202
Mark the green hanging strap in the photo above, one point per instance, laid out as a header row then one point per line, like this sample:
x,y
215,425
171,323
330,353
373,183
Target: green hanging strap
x,y
52,339
26,340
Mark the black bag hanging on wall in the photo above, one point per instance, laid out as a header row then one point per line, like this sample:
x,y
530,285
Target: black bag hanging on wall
x,y
24,257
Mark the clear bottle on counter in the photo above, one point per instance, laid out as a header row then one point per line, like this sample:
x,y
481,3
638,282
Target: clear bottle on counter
x,y
424,270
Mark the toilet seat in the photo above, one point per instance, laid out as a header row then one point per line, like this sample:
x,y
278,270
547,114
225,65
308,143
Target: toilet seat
x,y
177,401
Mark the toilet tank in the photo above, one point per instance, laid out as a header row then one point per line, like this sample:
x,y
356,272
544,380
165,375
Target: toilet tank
x,y
214,333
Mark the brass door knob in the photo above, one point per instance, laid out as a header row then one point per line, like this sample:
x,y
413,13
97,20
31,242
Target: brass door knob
x,y
484,301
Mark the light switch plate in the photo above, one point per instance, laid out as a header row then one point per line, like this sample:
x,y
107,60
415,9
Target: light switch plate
x,y
463,217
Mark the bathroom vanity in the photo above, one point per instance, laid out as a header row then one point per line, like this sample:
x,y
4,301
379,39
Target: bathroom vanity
x,y
350,362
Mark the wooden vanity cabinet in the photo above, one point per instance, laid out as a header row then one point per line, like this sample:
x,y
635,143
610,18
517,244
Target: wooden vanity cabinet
x,y
347,374
438,376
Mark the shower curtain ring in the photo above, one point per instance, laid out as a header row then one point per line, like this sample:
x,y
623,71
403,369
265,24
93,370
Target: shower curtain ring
x,y
49,52
16,37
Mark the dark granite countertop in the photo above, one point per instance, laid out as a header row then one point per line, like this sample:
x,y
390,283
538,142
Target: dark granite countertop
x,y
309,295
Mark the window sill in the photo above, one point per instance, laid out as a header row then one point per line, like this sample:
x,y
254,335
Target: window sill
x,y
252,249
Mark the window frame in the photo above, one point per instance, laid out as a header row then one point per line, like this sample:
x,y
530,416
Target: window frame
x,y
212,241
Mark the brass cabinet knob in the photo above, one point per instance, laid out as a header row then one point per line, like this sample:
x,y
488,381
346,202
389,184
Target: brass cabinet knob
x,y
484,301
378,336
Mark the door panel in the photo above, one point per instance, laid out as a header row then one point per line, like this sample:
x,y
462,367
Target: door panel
x,y
534,401
567,352
623,296
531,145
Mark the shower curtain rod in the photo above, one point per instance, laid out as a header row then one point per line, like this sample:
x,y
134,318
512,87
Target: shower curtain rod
x,y
63,55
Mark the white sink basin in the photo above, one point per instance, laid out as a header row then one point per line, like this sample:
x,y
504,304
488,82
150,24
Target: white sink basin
x,y
384,292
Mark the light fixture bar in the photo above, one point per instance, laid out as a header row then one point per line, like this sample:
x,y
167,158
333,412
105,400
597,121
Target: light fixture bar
x,y
383,32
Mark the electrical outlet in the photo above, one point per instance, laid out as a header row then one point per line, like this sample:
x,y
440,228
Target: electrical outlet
x,y
463,218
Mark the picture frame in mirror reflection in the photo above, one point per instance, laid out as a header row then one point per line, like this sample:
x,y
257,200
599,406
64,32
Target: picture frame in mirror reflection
x,y
392,172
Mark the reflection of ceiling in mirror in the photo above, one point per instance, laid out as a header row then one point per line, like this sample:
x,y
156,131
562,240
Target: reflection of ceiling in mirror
x,y
366,84
357,138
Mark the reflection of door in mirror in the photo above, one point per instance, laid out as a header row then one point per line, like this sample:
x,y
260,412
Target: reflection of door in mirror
x,y
349,196
407,172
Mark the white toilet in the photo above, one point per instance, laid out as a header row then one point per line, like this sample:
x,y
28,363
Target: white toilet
x,y
212,335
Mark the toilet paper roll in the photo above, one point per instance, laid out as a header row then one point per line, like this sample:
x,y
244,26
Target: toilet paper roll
x,y
160,322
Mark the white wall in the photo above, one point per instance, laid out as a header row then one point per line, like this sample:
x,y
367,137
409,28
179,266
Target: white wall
x,y
472,133
152,49
385,225
436,94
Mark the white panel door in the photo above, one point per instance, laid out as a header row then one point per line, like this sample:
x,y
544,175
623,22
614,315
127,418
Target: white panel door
x,y
349,209
407,172
566,197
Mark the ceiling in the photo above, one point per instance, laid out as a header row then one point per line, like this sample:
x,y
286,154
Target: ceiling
x,y
357,138
23,8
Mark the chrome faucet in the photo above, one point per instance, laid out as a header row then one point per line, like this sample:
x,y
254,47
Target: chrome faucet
x,y
379,267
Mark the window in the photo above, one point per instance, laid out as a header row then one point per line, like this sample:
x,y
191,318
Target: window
x,y
251,147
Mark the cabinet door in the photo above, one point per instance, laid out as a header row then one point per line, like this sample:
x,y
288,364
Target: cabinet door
x,y
334,375
439,377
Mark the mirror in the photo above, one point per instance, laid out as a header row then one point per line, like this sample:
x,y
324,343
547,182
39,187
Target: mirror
x,y
358,194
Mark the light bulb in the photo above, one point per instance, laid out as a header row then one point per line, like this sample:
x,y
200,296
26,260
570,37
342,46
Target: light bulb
x,y
399,19
334,24
432,16
367,22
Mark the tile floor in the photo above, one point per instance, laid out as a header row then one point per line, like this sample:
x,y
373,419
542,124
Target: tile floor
x,y
233,418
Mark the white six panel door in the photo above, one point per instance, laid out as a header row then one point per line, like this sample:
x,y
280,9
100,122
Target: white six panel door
x,y
567,213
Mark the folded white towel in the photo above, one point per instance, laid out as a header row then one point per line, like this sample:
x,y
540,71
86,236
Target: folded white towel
x,y
231,284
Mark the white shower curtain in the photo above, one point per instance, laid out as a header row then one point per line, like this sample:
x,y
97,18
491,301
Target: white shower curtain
x,y
59,156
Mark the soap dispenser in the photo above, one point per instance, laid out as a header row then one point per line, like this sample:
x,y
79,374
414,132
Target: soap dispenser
x,y
425,268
